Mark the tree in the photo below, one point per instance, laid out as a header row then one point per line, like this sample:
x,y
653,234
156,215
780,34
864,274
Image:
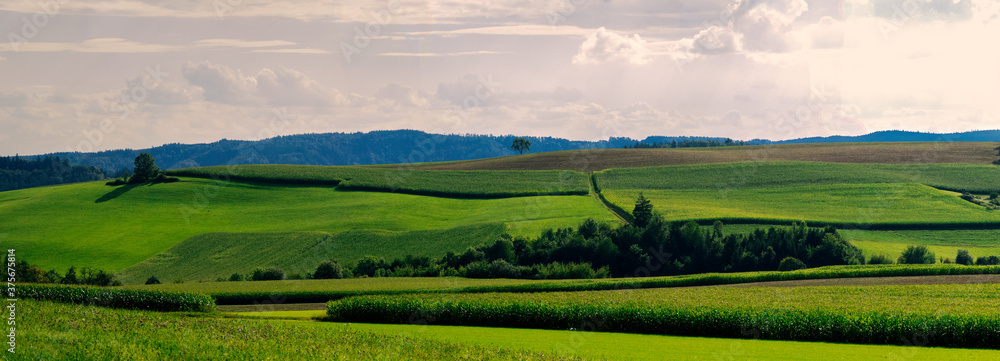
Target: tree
x,y
917,255
145,169
643,211
329,270
521,145
963,257
70,278
153,280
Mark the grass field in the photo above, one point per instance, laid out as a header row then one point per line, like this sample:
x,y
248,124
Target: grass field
x,y
632,347
943,315
90,224
53,331
209,256
462,184
870,153
903,204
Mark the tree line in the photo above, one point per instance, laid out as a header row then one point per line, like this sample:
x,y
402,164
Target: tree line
x,y
19,173
688,143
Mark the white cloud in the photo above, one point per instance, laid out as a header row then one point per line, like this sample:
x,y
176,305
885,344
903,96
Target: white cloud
x,y
293,51
99,45
767,24
396,95
221,84
603,46
237,43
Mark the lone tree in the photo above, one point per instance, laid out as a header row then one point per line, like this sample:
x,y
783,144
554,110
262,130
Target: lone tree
x,y
145,169
643,211
521,145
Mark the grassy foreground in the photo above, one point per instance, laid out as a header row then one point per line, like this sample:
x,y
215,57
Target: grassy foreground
x,y
943,315
52,331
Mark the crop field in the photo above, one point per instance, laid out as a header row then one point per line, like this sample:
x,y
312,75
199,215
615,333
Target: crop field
x,y
55,331
943,315
461,184
207,257
976,178
867,153
90,224
899,205
633,347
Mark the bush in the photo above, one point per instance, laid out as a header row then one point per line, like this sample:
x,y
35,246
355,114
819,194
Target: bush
x,y
119,298
988,261
790,264
329,270
270,274
879,259
236,277
152,280
495,269
917,255
963,257
994,196
370,265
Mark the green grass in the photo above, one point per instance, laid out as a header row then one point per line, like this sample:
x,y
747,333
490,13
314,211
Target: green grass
x,y
209,256
462,184
888,205
944,315
298,315
90,224
726,177
632,347
49,331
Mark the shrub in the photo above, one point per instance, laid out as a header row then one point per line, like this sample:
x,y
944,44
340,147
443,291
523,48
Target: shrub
x,y
152,280
790,264
236,277
495,269
370,265
329,270
917,255
879,259
967,196
988,261
119,298
270,274
963,257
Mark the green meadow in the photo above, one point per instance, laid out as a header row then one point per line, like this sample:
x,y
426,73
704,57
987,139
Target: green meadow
x,y
93,225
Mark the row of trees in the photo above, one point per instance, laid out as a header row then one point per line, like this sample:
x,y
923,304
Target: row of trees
x,y
695,143
145,171
29,273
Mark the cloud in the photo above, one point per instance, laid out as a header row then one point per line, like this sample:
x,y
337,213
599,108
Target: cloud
x,y
717,40
461,53
480,89
284,86
509,30
293,51
767,24
98,45
221,84
277,87
237,43
396,95
14,99
158,93
603,46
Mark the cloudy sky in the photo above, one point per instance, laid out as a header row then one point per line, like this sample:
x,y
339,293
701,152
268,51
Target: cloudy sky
x,y
107,74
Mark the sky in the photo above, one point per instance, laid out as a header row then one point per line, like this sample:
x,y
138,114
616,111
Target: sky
x,y
108,74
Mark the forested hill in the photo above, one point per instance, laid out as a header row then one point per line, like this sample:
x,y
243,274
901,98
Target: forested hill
x,y
17,172
377,147
905,136
407,146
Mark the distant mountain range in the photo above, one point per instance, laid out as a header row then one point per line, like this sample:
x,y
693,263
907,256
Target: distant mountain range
x,y
408,146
